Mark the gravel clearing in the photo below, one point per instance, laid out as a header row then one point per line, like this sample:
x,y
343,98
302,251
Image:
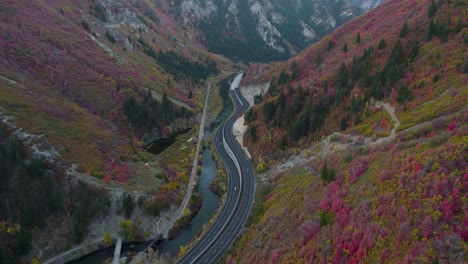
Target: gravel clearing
x,y
239,128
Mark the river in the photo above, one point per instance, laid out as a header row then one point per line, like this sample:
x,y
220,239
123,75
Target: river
x,y
210,200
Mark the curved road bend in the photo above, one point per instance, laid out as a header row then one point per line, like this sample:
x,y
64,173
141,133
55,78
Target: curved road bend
x,y
232,217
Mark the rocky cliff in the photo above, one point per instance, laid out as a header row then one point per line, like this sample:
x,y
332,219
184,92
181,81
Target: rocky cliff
x,y
262,30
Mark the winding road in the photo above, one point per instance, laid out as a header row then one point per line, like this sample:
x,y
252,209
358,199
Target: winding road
x,y
233,215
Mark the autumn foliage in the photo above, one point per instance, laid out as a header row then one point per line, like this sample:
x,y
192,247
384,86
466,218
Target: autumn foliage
x,y
401,201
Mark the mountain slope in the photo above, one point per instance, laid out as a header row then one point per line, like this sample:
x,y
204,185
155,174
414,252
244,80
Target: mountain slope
x,y
96,55
86,85
391,187
264,30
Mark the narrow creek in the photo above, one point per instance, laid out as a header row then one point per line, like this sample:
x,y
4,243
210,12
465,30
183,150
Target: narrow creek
x,y
210,201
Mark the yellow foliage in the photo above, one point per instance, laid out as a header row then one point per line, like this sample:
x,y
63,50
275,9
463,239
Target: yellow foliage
x,y
186,212
107,239
127,229
9,227
262,165
182,250
35,261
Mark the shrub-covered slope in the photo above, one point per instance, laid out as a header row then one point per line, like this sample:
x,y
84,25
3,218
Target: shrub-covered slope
x,y
395,53
68,67
391,187
87,84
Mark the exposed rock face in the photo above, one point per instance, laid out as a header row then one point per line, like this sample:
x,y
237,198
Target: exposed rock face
x,y
366,4
281,27
195,10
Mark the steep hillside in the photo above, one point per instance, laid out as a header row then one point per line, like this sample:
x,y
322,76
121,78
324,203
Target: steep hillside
x,y
67,64
391,186
414,61
87,85
263,30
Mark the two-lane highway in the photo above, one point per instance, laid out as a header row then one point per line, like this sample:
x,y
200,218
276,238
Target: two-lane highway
x,y
233,215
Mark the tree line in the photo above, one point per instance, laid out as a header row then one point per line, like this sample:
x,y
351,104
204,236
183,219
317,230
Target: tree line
x,y
150,113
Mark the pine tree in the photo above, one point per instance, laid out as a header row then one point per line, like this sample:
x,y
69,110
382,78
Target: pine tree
x,y
382,44
128,205
404,30
85,25
345,47
414,52
343,124
458,26
319,60
110,37
253,133
358,38
432,9
294,70
283,77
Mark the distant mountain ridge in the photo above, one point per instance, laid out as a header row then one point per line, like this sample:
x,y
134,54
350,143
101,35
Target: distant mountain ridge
x,y
264,30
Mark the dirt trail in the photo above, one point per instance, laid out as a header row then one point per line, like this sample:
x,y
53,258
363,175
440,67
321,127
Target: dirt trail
x,y
165,230
338,142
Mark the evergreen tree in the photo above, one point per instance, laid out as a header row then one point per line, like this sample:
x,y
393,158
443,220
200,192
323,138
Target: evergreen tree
x,y
257,98
404,94
358,38
281,100
345,47
382,44
343,124
268,111
414,51
253,133
458,26
342,84
297,101
167,108
273,90
393,69
128,205
294,70
110,37
327,175
250,116
319,60
85,25
432,9
283,143
404,30
283,77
